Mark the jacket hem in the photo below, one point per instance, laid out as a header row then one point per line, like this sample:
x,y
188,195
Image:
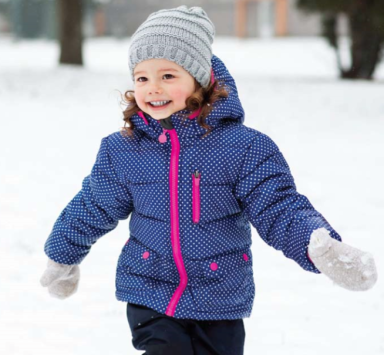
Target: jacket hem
x,y
148,301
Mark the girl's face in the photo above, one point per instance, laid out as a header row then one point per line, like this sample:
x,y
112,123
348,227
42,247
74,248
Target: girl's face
x,y
159,80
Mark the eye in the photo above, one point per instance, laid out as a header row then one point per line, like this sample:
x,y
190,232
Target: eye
x,y
171,76
141,77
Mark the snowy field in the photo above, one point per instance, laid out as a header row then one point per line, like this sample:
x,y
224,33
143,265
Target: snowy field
x,y
52,120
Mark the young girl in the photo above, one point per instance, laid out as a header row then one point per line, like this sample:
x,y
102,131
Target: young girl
x,y
193,178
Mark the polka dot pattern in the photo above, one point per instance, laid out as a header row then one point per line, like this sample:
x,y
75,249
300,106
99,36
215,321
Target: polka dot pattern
x,y
244,180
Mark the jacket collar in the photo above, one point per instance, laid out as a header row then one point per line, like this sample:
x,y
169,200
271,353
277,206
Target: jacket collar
x,y
229,108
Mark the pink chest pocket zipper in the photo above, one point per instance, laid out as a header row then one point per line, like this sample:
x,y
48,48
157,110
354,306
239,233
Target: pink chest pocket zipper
x,y
196,196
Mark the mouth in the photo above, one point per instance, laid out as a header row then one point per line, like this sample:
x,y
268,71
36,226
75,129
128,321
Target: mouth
x,y
159,104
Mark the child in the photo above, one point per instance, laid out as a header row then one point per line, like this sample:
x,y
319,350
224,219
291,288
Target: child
x,y
193,177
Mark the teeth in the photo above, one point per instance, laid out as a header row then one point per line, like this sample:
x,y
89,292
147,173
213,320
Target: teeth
x,y
158,103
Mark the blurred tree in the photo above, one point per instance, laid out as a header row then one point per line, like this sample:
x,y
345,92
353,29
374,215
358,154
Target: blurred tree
x,y
70,31
366,31
71,24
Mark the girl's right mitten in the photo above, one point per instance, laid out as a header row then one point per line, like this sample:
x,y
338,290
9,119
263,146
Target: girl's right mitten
x,y
62,280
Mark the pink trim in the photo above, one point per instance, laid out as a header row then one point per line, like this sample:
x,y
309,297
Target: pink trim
x,y
175,236
195,198
245,257
213,266
141,114
212,77
194,114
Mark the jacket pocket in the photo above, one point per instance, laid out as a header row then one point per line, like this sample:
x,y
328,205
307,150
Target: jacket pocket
x,y
211,201
196,196
226,282
139,265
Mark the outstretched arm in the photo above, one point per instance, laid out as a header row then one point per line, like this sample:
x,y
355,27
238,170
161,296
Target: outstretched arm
x,y
266,192
93,212
287,221
96,210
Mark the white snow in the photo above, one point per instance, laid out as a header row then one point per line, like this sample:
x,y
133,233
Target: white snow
x,y
52,120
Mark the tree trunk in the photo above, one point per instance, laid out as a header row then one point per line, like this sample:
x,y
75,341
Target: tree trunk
x,y
366,45
329,31
70,31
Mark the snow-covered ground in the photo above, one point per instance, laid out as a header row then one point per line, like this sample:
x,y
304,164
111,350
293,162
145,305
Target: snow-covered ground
x,y
52,120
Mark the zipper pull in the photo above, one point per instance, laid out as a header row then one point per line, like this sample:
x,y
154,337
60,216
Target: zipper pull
x,y
163,138
197,174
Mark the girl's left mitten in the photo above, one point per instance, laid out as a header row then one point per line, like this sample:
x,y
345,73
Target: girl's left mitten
x,y
348,267
62,280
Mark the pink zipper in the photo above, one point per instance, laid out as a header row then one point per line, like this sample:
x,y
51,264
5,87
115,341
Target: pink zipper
x,y
196,196
175,236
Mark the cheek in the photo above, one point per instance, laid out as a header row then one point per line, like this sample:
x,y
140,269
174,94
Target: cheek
x,y
180,94
139,97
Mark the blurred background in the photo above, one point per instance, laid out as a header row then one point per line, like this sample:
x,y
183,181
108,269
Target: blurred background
x,y
71,21
309,74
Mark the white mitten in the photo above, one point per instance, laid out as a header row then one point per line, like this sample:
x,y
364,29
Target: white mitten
x,y
62,280
346,266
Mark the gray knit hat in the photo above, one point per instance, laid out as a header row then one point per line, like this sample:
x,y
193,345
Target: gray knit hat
x,y
181,35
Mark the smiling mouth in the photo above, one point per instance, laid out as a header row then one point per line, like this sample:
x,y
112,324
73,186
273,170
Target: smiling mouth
x,y
160,106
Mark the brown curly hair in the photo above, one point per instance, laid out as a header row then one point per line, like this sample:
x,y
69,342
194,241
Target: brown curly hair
x,y
202,98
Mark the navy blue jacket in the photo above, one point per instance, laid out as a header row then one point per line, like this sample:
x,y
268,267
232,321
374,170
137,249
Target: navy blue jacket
x,y
192,202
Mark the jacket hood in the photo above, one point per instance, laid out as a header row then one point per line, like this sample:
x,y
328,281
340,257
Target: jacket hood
x,y
229,108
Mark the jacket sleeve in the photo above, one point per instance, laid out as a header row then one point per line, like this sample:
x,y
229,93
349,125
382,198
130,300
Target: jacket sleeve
x,y
266,191
93,212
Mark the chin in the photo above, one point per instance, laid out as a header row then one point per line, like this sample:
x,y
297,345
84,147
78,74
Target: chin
x,y
158,116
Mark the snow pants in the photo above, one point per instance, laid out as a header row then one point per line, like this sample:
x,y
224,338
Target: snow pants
x,y
160,334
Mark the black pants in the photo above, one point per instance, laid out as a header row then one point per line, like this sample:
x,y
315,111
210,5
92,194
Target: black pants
x,y
159,334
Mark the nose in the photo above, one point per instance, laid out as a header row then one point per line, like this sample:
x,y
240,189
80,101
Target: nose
x,y
155,88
